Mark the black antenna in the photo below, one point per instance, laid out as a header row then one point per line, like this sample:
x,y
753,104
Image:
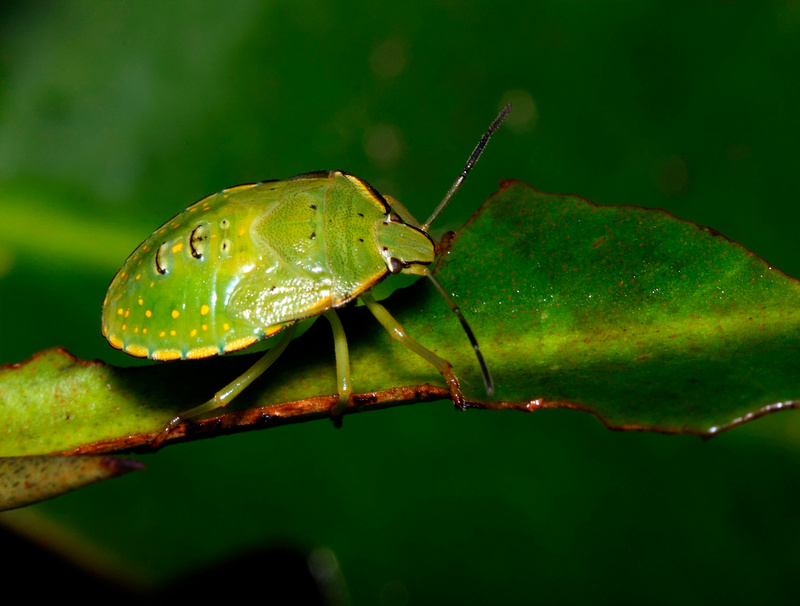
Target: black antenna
x,y
473,159
487,378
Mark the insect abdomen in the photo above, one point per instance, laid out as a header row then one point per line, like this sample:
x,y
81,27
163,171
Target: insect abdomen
x,y
169,299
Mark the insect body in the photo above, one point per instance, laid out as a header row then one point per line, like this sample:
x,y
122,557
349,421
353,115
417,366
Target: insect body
x,y
251,261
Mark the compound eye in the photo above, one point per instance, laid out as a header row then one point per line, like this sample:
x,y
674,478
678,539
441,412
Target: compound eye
x,y
395,265
395,218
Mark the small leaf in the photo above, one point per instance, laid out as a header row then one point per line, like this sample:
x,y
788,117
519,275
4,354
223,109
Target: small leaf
x,y
648,321
28,480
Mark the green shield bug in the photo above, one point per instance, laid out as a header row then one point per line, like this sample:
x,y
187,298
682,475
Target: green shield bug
x,y
251,261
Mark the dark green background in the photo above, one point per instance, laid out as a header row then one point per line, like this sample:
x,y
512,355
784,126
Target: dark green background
x,y
114,116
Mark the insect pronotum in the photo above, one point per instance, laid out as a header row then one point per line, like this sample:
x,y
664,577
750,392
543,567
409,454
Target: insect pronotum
x,y
251,261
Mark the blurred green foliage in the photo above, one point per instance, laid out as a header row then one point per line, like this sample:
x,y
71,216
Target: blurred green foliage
x,y
115,116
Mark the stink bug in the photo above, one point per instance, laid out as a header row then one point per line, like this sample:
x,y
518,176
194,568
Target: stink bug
x,y
251,261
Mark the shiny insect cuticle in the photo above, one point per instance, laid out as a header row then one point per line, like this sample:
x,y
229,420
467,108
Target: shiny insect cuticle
x,y
251,261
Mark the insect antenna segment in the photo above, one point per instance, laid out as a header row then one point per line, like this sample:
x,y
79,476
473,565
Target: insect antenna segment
x,y
487,378
473,159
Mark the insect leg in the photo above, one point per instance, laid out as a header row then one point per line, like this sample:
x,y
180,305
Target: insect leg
x,y
342,361
224,396
398,333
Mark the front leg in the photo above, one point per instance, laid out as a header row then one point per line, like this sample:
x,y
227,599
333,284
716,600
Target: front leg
x,y
397,332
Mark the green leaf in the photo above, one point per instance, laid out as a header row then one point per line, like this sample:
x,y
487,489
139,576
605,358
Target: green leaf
x,y
645,320
648,321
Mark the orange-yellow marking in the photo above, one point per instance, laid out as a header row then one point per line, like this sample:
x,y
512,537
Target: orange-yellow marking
x,y
141,301
166,354
120,311
136,350
115,341
163,333
173,333
360,185
237,188
124,326
226,326
268,332
148,313
175,313
127,312
204,310
193,333
240,343
177,248
202,352
204,327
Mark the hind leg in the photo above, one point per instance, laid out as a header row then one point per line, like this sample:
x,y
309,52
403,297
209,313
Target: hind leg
x,y
224,396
